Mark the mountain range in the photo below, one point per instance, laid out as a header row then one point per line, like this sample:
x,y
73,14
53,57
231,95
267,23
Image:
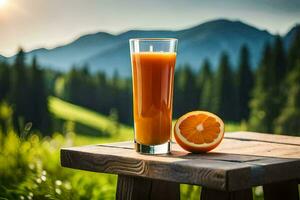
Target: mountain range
x,y
2,58
109,53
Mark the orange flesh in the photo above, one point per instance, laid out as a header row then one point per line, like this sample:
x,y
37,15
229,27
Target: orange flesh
x,y
153,75
210,131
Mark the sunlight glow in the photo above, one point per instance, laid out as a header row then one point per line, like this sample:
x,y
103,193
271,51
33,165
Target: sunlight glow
x,y
2,3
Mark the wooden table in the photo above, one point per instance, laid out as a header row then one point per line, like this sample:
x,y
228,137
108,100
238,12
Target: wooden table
x,y
241,161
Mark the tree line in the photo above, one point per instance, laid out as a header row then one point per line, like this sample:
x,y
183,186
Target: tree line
x,y
24,88
224,91
267,99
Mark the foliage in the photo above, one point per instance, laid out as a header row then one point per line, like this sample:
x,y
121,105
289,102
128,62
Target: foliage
x,y
24,88
4,80
288,120
260,116
39,113
294,52
101,124
270,90
225,91
244,84
32,169
205,86
98,92
186,95
19,92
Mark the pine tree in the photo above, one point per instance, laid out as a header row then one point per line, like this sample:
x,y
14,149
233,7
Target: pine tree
x,y
263,101
115,90
40,116
178,89
294,52
288,121
204,82
279,61
244,84
102,93
279,64
186,94
224,98
19,93
73,84
4,80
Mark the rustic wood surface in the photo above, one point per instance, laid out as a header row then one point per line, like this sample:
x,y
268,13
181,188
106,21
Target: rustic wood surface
x,y
241,161
136,188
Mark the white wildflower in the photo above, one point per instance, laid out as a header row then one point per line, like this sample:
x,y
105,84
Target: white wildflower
x,y
58,191
68,186
43,178
58,182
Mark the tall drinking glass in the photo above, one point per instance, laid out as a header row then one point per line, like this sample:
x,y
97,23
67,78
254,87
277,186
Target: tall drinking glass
x,y
153,64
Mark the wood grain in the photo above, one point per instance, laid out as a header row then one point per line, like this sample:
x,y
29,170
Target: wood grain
x,y
280,147
210,173
258,148
256,162
263,137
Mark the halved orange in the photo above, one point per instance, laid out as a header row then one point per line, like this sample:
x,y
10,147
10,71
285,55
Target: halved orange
x,y
199,131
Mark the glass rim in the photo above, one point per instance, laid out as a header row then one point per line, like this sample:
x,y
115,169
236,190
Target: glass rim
x,y
153,39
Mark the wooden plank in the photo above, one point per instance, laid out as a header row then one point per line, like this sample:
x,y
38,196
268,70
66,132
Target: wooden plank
x,y
269,170
132,188
215,170
210,173
123,145
210,194
257,148
263,137
287,190
136,188
162,190
239,147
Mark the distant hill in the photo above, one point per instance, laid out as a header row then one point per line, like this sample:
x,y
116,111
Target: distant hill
x,y
87,121
109,53
2,58
289,37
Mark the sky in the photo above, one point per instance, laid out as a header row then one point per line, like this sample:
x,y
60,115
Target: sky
x,y
33,24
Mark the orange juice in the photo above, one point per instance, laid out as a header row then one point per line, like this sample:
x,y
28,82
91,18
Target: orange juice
x,y
153,75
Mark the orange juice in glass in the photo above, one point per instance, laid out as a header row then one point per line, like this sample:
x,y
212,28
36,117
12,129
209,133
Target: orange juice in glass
x,y
153,64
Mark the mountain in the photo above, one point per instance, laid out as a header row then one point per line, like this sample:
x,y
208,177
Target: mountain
x,y
63,57
106,52
207,40
2,58
290,36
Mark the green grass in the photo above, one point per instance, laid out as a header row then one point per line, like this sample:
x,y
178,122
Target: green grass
x,y
27,161
68,111
101,123
76,114
93,120
231,127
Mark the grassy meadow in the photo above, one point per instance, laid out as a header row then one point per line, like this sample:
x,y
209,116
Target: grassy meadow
x,y
33,171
